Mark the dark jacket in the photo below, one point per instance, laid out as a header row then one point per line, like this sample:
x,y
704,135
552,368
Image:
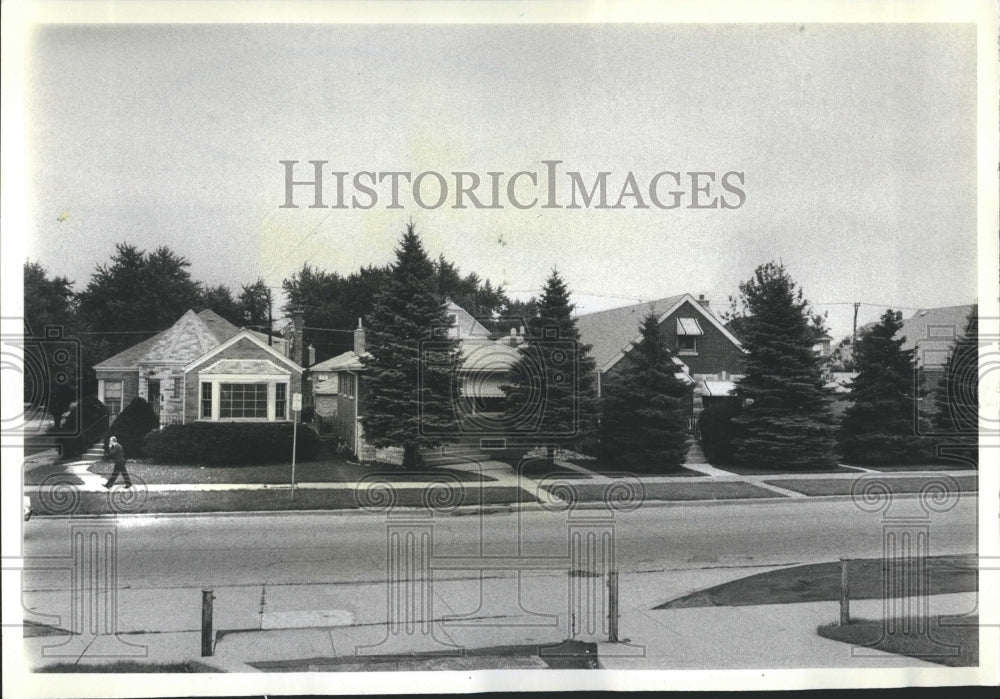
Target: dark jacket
x,y
117,452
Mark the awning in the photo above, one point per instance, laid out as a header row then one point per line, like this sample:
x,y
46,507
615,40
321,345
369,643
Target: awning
x,y
719,388
688,326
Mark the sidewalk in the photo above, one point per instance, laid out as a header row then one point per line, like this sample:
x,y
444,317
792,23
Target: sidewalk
x,y
76,487
324,624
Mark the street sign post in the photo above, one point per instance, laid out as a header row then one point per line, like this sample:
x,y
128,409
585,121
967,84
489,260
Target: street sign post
x,y
296,409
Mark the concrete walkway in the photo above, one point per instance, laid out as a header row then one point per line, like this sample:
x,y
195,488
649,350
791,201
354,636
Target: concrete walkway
x,y
321,623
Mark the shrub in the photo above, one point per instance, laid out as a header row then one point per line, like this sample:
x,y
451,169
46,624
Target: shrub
x,y
213,443
717,430
85,424
131,427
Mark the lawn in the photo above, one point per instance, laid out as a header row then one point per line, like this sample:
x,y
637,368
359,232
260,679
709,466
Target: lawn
x,y
137,501
538,469
820,582
328,470
949,466
842,486
952,641
595,492
774,471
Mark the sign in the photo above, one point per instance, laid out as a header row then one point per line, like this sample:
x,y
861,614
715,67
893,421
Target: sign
x,y
296,401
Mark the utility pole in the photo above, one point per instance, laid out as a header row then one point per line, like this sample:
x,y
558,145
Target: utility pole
x,y
854,335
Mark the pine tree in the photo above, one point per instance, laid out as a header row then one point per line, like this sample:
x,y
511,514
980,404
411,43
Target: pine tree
x,y
787,423
410,400
956,399
644,409
878,426
550,397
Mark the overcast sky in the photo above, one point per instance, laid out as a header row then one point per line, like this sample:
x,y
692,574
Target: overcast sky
x,y
858,145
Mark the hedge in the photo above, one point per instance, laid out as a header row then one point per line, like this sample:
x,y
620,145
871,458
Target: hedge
x,y
85,424
215,443
131,427
718,432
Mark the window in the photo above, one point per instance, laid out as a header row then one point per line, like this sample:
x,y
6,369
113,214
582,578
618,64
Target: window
x,y
178,386
687,344
347,385
280,399
113,396
688,330
243,400
206,400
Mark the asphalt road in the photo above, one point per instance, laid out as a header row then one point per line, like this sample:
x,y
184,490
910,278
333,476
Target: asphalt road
x,y
288,548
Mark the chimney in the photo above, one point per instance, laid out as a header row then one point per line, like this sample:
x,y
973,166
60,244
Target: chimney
x,y
703,301
359,339
312,355
513,337
296,348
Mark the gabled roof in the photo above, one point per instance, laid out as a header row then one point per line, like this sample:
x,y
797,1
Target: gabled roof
x,y
612,333
192,335
933,332
348,361
242,335
481,354
465,323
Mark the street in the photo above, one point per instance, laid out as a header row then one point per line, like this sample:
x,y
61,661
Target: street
x,y
288,548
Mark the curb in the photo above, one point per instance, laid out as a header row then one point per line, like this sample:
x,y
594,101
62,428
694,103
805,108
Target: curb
x,y
469,510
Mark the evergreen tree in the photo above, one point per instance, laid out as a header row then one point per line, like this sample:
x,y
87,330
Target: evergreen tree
x,y
878,426
956,400
787,423
410,400
551,396
644,409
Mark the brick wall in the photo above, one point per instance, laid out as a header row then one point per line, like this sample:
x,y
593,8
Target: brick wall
x,y
243,349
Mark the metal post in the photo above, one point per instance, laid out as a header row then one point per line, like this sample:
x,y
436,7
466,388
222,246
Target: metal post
x,y
295,439
612,606
206,622
296,410
845,600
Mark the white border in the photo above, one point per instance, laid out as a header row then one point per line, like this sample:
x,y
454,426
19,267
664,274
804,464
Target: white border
x,y
19,20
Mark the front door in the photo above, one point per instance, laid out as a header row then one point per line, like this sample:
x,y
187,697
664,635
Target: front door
x,y
154,396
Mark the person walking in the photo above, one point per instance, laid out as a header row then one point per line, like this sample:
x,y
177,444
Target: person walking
x,y
117,452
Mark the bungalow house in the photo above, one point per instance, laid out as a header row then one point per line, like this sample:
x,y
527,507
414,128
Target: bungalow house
x,y
710,355
205,368
339,388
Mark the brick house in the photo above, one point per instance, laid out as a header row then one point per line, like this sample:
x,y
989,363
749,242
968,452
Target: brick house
x,y
205,368
339,388
710,355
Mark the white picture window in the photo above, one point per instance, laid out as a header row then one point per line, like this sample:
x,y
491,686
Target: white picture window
x,y
243,400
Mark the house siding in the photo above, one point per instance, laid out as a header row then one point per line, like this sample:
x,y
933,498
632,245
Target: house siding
x,y
349,429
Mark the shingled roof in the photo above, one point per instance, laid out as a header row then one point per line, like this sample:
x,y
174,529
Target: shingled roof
x,y
191,336
611,333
